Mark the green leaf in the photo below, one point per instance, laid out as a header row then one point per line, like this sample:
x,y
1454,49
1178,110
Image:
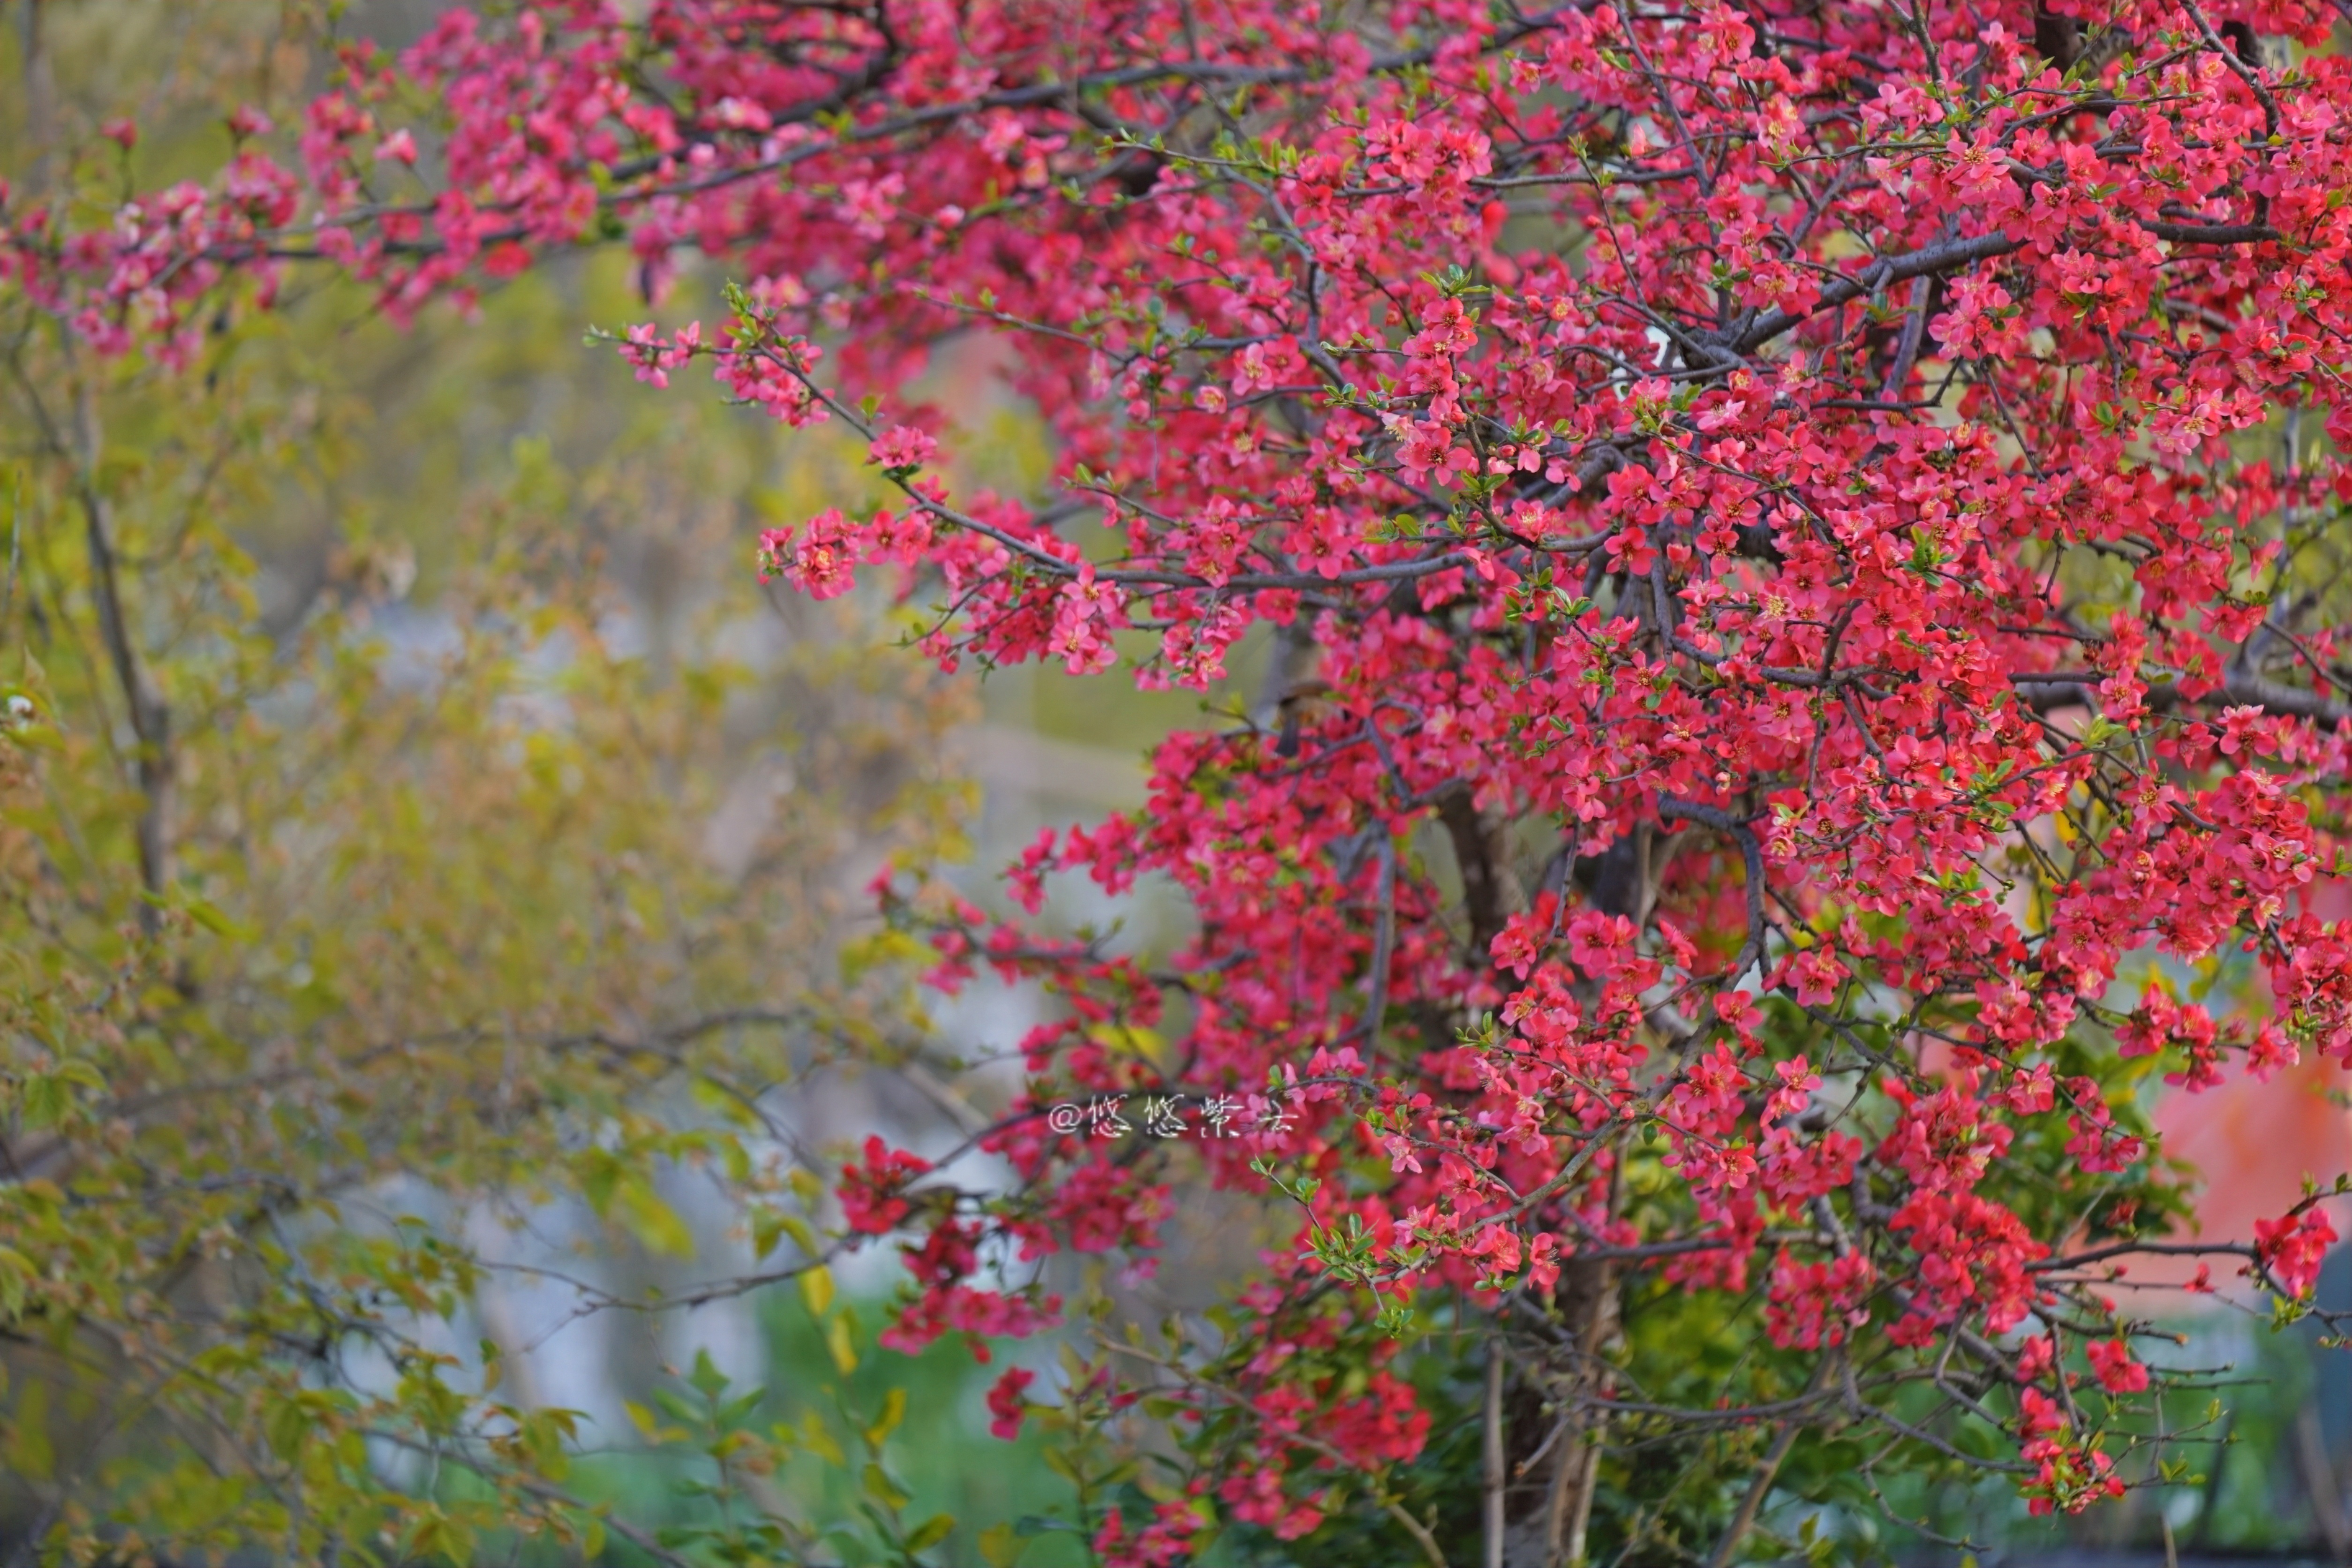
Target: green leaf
x,y
1000,1546
653,1222
837,1340
27,1447
883,1489
16,1277
813,1436
893,1410
205,913
816,1290
288,1423
82,1074
433,1533
931,1531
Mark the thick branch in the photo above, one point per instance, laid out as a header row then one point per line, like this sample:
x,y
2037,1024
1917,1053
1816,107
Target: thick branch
x,y
2240,688
1947,255
1478,856
1751,853
150,717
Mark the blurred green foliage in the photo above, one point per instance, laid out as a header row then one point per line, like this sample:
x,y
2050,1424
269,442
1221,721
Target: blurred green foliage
x,y
419,839
845,1450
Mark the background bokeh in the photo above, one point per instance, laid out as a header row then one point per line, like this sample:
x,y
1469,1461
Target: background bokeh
x,y
485,716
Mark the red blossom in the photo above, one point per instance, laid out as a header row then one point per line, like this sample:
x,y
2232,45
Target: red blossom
x,y
2292,1248
869,1192
2113,1363
1006,1403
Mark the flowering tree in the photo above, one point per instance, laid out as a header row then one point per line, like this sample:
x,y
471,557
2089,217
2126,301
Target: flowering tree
x,y
1798,548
